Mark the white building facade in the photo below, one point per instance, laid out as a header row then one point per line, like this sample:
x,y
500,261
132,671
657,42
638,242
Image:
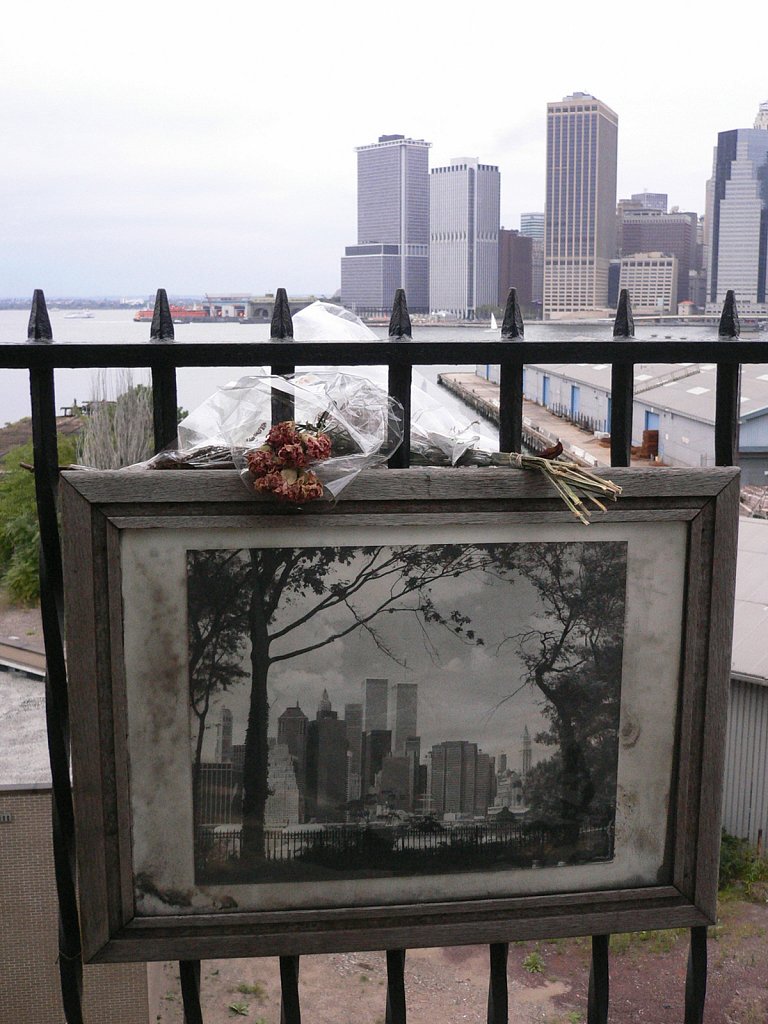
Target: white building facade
x,y
580,211
651,279
464,214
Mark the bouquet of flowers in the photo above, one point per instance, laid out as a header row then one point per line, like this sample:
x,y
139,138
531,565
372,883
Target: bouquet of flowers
x,y
281,466
331,425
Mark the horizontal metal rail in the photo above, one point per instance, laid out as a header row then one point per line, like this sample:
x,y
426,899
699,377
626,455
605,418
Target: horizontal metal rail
x,y
416,352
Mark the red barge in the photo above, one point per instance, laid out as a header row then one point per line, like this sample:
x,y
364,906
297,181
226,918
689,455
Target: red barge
x,y
179,315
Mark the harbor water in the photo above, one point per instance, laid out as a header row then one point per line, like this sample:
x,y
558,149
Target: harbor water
x,y
196,384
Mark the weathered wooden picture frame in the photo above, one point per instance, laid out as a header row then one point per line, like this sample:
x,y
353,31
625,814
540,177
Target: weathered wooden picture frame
x,y
217,817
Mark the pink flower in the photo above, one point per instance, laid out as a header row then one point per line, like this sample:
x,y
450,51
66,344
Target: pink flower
x,y
260,461
318,446
292,455
283,433
268,482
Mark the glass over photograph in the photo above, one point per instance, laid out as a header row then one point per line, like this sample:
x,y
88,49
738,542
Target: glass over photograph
x,y
378,711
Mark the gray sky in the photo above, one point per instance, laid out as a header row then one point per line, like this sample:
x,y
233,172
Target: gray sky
x,y
211,147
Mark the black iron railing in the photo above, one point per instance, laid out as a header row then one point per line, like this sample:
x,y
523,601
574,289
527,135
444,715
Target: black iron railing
x,y
40,355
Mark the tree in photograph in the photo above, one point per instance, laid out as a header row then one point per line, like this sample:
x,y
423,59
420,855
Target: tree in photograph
x,y
217,604
572,653
291,588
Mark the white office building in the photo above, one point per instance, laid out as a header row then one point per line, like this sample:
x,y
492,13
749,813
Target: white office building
x,y
464,212
580,213
651,280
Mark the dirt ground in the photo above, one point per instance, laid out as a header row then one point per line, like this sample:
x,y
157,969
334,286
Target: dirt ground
x,y
547,980
20,626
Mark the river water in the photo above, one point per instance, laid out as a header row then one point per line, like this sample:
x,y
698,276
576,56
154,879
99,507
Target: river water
x,y
196,384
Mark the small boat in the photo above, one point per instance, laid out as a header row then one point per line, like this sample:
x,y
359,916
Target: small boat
x,y
80,314
494,326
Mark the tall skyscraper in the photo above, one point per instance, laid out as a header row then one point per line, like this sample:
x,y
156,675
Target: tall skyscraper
x,y
375,704
284,801
392,248
580,215
459,778
292,731
406,707
525,753
292,728
515,266
326,764
737,218
353,716
464,204
377,744
532,226
413,752
395,783
224,737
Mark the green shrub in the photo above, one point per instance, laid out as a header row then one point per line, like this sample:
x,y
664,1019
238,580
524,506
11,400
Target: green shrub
x,y
534,963
740,863
19,534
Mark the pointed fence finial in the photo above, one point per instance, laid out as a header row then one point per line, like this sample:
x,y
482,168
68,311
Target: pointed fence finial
x,y
162,321
729,318
512,326
400,321
39,328
624,324
282,323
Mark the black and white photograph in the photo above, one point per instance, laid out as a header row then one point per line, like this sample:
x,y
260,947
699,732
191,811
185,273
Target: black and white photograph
x,y
387,711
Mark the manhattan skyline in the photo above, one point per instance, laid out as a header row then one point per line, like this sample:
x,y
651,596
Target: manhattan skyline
x,y
169,164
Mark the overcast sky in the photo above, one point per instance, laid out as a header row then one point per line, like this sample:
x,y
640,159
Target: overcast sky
x,y
210,147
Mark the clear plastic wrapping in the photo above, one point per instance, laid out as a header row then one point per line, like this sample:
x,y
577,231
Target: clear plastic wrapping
x,y
328,426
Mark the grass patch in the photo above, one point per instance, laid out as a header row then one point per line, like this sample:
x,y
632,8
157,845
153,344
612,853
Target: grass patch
x,y
256,989
652,941
534,963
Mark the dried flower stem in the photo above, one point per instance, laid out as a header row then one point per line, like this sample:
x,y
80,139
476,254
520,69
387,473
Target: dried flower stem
x,y
571,481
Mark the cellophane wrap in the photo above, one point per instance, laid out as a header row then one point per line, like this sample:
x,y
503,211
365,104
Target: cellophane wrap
x,y
363,423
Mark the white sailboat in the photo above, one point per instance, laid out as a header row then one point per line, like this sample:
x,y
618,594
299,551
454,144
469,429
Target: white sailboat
x,y
494,326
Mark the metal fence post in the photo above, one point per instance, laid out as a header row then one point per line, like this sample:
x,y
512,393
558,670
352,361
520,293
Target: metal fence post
x,y
727,391
46,458
400,376
511,380
622,388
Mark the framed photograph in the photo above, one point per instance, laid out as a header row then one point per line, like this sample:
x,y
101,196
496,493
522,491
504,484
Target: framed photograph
x,y
438,711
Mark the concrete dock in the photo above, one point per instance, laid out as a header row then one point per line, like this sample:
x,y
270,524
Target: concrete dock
x,y
540,426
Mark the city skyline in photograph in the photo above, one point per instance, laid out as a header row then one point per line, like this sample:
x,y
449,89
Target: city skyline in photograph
x,y
502,644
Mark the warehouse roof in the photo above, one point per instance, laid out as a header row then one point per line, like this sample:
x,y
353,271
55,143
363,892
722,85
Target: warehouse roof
x,y
686,389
